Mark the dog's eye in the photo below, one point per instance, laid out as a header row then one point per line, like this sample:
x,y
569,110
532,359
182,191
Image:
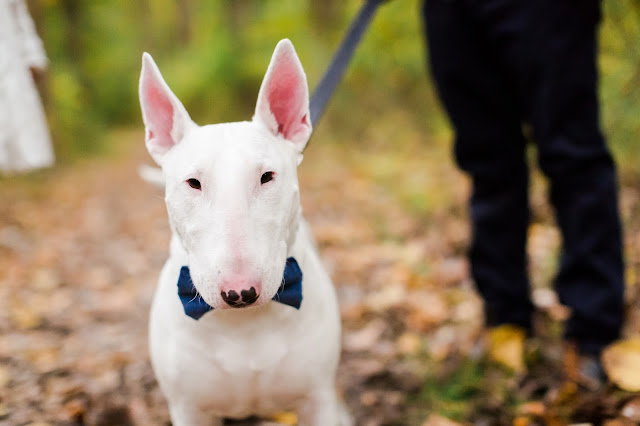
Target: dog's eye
x,y
194,183
266,177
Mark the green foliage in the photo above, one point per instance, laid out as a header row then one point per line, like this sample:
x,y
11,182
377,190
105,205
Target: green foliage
x,y
464,389
214,53
620,87
449,396
74,123
458,393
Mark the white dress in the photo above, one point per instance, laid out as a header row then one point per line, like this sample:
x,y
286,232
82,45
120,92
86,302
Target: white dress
x,y
25,143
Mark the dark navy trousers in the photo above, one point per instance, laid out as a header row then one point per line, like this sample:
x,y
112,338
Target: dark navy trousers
x,y
499,64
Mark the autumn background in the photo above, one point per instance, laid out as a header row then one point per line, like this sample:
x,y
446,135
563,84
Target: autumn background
x,y
81,245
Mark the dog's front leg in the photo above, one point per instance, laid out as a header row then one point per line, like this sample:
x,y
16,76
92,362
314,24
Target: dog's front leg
x,y
323,408
189,415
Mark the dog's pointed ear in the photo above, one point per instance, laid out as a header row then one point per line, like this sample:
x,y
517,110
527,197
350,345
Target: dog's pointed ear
x,y
165,118
283,101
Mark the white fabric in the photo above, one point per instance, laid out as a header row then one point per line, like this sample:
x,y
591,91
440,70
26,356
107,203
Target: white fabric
x,y
25,143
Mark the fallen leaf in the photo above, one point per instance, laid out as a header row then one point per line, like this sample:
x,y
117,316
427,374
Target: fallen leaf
x,y
139,411
533,408
565,394
368,398
451,271
5,376
436,420
365,338
621,362
468,310
25,318
386,298
4,411
428,309
620,421
408,344
74,410
44,359
571,362
506,346
45,279
521,421
285,418
368,368
442,342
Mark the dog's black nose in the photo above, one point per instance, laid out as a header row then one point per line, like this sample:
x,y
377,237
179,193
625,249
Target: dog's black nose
x,y
245,298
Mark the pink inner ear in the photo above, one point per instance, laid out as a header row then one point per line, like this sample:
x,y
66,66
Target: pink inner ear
x,y
286,95
158,114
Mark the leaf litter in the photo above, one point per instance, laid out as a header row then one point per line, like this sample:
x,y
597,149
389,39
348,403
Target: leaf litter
x,y
81,248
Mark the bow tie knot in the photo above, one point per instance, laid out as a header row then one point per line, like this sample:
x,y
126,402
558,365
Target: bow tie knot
x,y
289,293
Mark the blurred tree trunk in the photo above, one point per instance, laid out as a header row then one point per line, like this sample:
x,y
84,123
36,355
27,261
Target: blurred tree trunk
x,y
73,12
184,22
237,12
143,13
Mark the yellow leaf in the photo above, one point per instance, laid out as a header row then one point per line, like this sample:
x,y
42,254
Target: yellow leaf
x,y
25,318
506,346
408,344
286,418
521,421
5,377
621,362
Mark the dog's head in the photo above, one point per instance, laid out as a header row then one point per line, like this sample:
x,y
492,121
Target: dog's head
x,y
232,189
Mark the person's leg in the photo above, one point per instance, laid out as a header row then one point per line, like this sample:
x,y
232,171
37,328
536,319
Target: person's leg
x,y
573,154
489,145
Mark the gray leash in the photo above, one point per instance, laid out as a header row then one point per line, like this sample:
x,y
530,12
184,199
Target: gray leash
x,y
341,59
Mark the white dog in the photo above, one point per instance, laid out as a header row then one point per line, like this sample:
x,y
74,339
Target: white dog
x,y
220,346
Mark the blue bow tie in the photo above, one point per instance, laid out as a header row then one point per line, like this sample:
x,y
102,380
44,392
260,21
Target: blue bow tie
x,y
289,293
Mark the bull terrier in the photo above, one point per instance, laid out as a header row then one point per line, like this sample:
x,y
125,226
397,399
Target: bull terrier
x,y
245,320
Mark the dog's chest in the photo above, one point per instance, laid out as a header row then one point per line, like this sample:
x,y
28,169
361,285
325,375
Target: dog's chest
x,y
242,379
